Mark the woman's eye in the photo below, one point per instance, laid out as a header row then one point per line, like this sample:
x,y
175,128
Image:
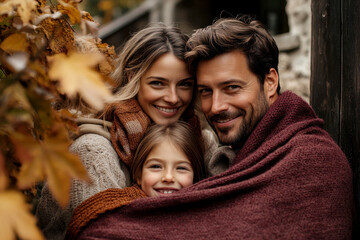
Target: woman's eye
x,y
156,83
187,84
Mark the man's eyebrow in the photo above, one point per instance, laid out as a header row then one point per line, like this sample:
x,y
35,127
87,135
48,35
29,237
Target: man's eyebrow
x,y
227,82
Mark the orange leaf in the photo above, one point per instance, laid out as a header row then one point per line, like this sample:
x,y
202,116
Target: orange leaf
x,y
16,219
59,33
15,42
24,146
52,158
76,75
71,10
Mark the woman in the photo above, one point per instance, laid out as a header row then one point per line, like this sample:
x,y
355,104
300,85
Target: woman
x,y
153,86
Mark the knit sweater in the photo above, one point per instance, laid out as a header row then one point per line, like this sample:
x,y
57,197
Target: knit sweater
x,y
290,180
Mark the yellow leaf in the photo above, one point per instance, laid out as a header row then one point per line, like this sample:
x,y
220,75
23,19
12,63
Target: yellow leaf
x,y
71,10
15,42
52,158
77,75
24,8
15,218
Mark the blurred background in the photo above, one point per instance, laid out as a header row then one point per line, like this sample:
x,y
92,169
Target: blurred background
x,y
288,20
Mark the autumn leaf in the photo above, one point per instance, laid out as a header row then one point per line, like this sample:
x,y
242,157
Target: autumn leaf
x,y
76,74
16,219
15,42
50,157
71,10
23,7
59,34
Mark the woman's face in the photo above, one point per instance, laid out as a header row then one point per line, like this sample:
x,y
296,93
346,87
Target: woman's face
x,y
166,89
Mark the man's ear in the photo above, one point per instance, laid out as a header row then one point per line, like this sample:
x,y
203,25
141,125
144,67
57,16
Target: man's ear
x,y
271,83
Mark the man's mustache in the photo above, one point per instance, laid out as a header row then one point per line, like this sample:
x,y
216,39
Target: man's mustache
x,y
226,115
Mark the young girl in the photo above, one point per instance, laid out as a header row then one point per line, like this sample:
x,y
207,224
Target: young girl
x,y
169,158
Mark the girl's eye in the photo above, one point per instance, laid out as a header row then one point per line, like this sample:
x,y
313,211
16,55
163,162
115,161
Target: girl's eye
x,y
155,166
183,168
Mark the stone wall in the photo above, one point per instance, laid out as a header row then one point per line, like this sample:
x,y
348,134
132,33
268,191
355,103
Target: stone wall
x,y
294,59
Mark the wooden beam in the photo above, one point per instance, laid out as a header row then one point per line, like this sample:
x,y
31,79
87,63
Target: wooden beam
x,y
350,97
335,79
325,80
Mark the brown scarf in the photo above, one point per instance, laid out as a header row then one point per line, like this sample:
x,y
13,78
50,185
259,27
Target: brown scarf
x,y
129,126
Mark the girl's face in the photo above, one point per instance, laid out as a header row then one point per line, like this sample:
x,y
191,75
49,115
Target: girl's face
x,y
166,89
166,170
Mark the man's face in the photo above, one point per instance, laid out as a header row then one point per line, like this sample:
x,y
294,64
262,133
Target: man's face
x,y
232,98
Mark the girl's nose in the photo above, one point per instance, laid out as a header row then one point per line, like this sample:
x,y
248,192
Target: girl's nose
x,y
168,177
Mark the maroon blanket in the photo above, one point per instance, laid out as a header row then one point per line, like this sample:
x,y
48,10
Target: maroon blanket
x,y
289,181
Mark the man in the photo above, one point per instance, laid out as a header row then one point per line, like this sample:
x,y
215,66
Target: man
x,y
289,180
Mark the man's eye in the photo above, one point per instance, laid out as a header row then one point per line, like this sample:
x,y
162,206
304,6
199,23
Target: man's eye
x,y
233,87
204,92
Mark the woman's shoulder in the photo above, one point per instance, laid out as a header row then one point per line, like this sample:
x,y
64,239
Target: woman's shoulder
x,y
92,142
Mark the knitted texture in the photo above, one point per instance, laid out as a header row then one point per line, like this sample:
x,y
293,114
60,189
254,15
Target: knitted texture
x,y
105,171
99,204
102,165
289,181
129,126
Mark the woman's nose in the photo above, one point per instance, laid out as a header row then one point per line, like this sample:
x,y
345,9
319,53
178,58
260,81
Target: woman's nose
x,y
171,96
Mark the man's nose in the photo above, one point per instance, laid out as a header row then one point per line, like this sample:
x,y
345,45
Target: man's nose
x,y
219,103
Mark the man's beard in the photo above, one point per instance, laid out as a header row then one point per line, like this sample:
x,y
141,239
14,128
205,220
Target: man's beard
x,y
247,126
